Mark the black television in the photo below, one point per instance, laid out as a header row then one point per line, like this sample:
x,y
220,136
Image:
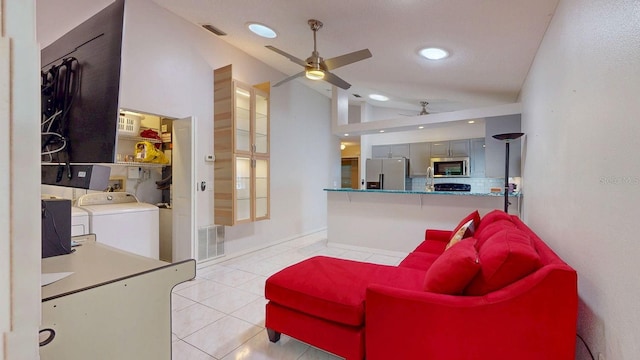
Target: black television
x,y
80,83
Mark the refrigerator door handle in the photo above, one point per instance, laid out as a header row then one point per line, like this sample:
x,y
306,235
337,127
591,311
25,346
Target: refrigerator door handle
x,y
381,181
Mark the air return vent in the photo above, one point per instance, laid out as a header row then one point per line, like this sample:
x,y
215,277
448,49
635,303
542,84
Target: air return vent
x,y
214,30
210,242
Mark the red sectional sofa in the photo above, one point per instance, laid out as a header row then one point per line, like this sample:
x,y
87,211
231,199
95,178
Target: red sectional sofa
x,y
489,289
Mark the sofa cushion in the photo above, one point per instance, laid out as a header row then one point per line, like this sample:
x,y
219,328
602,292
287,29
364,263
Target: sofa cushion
x,y
492,217
454,269
488,231
334,289
505,257
419,260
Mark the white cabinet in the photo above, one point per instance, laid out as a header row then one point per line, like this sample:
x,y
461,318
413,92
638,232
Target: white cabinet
x,y
452,148
390,151
419,158
495,149
476,157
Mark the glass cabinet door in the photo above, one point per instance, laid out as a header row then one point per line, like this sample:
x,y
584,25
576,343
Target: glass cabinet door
x,y
242,134
243,188
261,124
261,188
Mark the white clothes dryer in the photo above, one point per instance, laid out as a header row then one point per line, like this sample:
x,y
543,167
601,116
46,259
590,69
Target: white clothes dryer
x,y
79,221
79,217
119,220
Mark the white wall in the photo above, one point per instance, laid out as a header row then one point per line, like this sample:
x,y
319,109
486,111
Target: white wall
x,y
167,69
581,117
20,246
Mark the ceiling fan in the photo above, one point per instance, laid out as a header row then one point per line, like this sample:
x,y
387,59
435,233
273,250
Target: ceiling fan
x,y
317,68
422,112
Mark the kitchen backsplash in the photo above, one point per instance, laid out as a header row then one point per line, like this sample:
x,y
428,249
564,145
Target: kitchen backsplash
x,y
478,185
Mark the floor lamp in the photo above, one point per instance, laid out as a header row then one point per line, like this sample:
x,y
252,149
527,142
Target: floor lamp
x,y
507,138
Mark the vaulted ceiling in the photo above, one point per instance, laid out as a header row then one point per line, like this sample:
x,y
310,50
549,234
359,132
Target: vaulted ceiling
x,y
492,44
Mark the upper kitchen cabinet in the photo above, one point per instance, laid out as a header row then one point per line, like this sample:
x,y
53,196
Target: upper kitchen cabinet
x,y
390,151
241,147
477,157
452,148
419,158
495,149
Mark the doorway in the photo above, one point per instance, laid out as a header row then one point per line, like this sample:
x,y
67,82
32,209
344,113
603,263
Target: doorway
x,y
350,173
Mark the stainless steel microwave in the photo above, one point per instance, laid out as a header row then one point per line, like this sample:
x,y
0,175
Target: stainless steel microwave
x,y
450,167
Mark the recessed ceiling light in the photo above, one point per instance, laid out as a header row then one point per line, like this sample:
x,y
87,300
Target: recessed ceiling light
x,y
346,134
378,97
434,53
420,127
381,131
471,121
262,30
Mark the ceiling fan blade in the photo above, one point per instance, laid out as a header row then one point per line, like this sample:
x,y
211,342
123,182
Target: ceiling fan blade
x,y
347,59
335,80
289,78
287,55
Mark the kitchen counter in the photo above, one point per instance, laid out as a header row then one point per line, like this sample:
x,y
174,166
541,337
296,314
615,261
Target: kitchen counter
x,y
422,192
394,220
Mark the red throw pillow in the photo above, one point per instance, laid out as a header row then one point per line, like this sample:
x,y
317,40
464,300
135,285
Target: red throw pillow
x,y
505,258
486,232
475,216
492,217
453,270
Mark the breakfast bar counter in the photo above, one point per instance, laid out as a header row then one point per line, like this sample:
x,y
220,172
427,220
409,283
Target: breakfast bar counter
x,y
395,220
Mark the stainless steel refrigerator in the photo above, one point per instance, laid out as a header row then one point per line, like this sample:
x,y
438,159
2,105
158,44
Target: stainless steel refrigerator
x,y
387,174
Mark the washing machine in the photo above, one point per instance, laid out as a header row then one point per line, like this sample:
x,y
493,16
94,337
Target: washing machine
x,y
119,220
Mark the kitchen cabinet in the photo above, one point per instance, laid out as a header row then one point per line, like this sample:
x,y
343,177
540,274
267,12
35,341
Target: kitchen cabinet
x,y
495,149
452,148
390,151
419,158
477,157
241,148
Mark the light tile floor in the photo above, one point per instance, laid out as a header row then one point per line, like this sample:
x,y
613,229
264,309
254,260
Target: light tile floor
x,y
220,314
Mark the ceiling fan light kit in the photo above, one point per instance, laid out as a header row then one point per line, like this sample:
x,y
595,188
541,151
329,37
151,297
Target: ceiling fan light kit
x,y
317,68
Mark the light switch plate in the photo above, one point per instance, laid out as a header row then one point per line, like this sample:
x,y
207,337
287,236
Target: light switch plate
x,y
133,172
209,158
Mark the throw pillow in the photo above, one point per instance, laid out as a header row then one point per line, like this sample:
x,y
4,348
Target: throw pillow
x,y
506,257
475,216
463,232
453,270
485,232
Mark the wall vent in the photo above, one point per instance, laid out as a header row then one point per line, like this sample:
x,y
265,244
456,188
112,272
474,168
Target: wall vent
x,y
210,242
214,30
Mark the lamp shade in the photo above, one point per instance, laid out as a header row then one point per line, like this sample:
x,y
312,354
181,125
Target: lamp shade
x,y
508,136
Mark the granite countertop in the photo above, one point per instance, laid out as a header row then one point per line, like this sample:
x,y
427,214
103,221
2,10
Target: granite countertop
x,y
422,192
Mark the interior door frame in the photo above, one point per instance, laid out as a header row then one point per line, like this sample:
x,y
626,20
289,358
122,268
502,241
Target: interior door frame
x,y
184,247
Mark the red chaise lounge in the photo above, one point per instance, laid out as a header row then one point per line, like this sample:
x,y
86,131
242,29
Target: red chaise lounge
x,y
500,293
